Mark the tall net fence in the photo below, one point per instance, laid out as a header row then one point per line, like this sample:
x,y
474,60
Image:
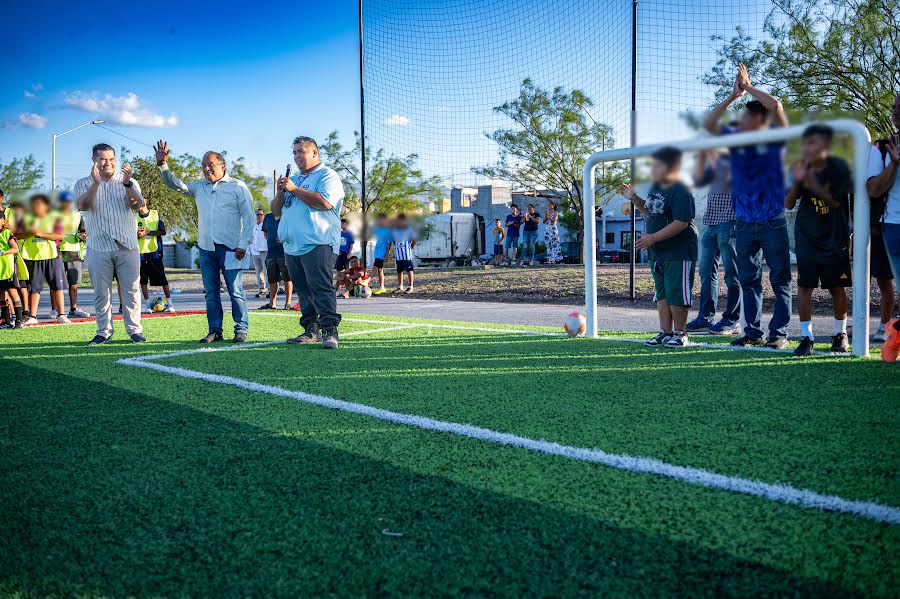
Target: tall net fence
x,y
434,70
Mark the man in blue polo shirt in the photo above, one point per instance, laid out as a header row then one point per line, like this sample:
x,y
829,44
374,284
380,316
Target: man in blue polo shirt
x,y
757,194
309,206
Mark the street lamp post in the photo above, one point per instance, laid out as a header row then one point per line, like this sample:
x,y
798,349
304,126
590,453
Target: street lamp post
x,y
53,153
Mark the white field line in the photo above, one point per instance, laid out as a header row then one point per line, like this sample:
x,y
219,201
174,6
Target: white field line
x,y
697,476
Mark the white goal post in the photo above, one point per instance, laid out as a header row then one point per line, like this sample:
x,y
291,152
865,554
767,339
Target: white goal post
x,y
861,147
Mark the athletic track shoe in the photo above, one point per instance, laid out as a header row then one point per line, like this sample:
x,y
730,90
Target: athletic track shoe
x,y
891,346
77,313
725,327
777,342
212,337
677,340
805,348
747,342
63,319
98,340
698,324
329,338
840,344
310,334
138,338
659,340
29,321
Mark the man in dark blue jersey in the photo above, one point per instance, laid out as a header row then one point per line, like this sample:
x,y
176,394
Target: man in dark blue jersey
x,y
757,193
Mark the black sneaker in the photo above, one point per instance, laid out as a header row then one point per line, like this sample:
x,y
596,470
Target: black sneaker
x,y
840,344
805,348
777,342
747,342
659,340
212,337
239,337
698,324
138,338
677,340
329,338
98,340
310,334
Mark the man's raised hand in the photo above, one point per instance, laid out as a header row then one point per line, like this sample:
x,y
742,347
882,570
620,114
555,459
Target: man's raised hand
x,y
627,191
127,171
162,152
95,172
743,77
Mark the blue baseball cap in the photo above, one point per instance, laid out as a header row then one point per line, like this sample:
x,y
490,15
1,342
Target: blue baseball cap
x,y
66,196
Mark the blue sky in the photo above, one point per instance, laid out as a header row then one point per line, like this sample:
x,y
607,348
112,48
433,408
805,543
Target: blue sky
x,y
247,78
206,76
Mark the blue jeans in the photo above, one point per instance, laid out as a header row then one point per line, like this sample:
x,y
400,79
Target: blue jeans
x,y
211,264
770,238
717,247
891,235
529,240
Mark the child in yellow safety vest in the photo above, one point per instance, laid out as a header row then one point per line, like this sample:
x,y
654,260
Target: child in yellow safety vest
x,y
10,302
39,248
151,229
15,217
72,249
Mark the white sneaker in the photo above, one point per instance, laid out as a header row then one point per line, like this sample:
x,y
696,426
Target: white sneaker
x,y
169,307
410,289
78,313
147,309
29,321
880,335
53,314
63,319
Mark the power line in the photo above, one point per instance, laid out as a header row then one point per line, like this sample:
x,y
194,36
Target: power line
x,y
125,136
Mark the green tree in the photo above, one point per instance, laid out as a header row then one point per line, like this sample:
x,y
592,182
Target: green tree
x,y
547,146
393,184
20,175
837,56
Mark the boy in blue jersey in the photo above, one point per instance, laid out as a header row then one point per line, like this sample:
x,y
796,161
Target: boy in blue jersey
x,y
404,243
757,195
342,262
384,237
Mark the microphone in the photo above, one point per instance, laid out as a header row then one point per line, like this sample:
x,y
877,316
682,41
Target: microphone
x,y
287,172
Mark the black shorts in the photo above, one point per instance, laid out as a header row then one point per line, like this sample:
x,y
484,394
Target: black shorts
x,y
880,265
10,283
73,271
277,270
50,271
379,263
405,266
813,272
153,273
342,262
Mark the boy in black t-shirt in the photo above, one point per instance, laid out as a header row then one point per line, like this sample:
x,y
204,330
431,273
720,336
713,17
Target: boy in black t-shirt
x,y
671,242
821,233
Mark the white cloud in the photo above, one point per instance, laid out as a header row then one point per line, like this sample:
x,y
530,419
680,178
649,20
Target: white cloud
x,y
30,95
37,87
35,121
397,119
122,110
7,125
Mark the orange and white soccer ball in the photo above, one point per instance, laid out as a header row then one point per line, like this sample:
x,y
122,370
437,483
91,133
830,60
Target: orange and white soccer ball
x,y
574,324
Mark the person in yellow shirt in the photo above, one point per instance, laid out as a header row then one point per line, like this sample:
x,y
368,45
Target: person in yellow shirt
x,y
71,249
151,230
39,248
16,215
9,282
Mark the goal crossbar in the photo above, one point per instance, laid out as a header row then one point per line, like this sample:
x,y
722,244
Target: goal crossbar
x,y
861,144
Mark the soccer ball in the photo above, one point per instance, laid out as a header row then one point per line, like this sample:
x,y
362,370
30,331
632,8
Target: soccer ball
x,y
365,291
159,304
574,324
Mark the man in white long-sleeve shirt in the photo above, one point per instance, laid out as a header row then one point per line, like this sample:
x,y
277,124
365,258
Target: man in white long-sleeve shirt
x,y
225,226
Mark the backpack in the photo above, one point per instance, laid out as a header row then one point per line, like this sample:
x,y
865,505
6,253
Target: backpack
x,y
878,205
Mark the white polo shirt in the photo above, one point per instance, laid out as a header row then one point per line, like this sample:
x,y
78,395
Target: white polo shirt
x,y
876,166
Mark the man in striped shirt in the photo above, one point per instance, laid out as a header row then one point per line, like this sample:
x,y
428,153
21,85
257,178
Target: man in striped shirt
x,y
109,200
404,242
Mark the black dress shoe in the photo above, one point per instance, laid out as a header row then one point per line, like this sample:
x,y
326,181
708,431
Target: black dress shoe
x,y
138,338
212,337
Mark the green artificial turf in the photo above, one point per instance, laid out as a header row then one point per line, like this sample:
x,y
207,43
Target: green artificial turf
x,y
120,481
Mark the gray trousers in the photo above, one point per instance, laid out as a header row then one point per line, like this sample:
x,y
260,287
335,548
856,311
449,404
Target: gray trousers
x,y
312,277
259,265
125,265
